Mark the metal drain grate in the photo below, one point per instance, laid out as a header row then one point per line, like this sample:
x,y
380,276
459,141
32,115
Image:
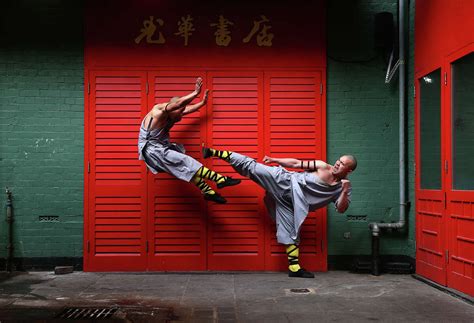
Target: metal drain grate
x,y
300,290
80,313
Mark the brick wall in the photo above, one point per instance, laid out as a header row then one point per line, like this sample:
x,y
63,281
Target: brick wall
x,y
41,124
362,118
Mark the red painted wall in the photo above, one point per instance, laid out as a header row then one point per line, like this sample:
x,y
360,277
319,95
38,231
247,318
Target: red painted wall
x,y
441,28
297,28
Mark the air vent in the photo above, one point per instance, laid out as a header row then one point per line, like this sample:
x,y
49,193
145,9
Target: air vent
x,y
356,218
48,218
81,313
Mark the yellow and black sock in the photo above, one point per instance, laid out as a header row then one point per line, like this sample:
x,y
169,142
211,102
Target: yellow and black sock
x,y
206,173
203,186
293,253
222,154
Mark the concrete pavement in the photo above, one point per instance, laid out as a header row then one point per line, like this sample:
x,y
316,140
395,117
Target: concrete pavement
x,y
335,296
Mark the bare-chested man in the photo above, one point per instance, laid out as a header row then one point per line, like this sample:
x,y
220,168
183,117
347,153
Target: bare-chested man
x,y
161,155
291,195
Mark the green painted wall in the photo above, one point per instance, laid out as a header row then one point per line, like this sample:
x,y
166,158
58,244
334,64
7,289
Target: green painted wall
x,y
42,134
362,119
42,124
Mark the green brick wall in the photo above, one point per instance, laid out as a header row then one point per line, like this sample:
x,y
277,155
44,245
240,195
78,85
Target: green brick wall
x,y
42,120
41,124
362,119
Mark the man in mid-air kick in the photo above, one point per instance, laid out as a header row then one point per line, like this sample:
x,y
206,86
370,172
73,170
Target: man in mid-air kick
x,y
161,155
291,195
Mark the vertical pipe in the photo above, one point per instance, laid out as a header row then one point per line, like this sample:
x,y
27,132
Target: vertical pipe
x,y
375,250
377,227
402,105
9,221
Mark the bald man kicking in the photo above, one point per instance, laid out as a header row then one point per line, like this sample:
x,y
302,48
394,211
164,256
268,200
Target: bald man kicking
x,y
291,195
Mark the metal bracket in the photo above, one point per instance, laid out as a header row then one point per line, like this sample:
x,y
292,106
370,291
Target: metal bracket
x,y
390,71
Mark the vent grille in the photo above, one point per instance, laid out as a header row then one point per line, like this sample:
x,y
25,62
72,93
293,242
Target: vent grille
x,y
80,313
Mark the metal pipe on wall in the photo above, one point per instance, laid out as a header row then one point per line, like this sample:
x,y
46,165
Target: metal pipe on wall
x,y
9,220
376,227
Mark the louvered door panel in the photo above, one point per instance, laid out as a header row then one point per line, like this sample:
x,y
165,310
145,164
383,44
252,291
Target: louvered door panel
x,y
295,128
236,229
117,189
430,261
176,208
461,241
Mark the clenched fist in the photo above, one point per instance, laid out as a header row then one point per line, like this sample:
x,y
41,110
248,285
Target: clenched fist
x,y
346,184
267,160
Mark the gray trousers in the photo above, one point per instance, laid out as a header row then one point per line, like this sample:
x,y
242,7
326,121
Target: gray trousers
x,y
277,183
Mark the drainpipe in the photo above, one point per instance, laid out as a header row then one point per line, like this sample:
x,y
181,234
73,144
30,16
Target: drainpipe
x,y
376,227
9,220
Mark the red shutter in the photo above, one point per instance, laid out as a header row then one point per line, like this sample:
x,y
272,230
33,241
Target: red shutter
x,y
132,214
117,193
295,128
176,214
236,229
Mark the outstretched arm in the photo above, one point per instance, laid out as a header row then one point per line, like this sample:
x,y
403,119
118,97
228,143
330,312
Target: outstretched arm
x,y
185,100
192,108
343,201
296,163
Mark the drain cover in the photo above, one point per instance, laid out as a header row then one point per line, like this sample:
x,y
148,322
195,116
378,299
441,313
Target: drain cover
x,y
77,313
300,290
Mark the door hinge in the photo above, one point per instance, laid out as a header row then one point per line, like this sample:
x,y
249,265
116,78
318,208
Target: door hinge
x,y
445,78
88,246
321,89
88,166
446,166
146,246
414,91
445,200
88,88
447,256
146,87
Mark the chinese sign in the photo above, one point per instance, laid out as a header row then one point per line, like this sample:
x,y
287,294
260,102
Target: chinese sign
x,y
152,31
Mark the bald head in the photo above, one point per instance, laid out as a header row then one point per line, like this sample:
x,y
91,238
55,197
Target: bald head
x,y
353,162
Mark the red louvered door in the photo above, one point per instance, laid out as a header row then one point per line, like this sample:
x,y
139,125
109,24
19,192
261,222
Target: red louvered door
x,y
140,221
236,229
116,195
295,127
176,209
